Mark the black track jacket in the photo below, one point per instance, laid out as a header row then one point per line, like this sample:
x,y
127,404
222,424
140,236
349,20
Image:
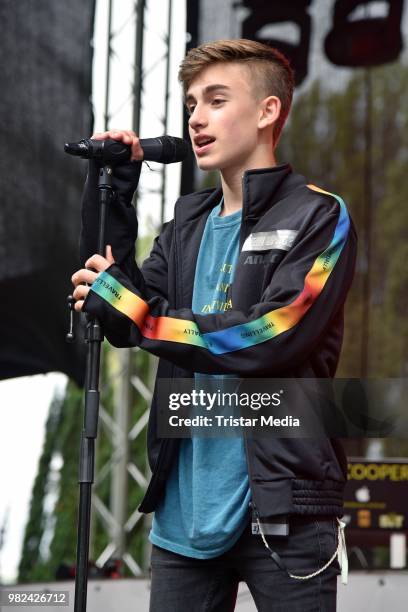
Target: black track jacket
x,y
295,267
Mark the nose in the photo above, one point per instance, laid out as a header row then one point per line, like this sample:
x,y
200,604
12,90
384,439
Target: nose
x,y
197,118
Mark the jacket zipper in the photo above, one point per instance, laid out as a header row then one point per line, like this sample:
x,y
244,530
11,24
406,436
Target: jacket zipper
x,y
252,504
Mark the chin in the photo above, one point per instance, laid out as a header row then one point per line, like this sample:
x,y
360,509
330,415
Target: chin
x,y
207,164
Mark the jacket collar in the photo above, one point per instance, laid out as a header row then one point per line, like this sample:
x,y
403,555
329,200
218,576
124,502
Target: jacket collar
x,y
261,188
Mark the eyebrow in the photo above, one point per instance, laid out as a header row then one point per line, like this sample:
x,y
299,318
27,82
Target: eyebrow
x,y
207,90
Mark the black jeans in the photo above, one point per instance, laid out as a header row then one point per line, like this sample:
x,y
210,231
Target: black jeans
x,y
182,584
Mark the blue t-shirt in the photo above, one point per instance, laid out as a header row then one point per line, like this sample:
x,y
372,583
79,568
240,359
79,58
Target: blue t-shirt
x,y
206,503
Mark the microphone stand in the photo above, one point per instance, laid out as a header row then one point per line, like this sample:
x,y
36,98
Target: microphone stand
x,y
94,339
165,149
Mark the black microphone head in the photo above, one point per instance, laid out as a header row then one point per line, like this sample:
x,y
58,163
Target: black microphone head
x,y
107,151
174,149
75,148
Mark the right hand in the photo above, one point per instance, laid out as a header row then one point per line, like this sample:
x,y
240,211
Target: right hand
x,y
128,137
93,266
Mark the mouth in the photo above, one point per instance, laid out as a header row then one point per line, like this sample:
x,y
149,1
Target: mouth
x,y
203,143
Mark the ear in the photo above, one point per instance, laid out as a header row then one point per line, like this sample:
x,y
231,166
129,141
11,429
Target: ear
x,y
269,112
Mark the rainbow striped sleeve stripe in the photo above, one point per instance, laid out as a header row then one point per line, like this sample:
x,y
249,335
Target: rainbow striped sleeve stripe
x,y
236,337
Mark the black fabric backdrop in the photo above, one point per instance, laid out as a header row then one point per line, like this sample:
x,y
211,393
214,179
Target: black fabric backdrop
x,y
45,101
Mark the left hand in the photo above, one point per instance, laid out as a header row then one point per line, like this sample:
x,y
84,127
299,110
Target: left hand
x,y
93,266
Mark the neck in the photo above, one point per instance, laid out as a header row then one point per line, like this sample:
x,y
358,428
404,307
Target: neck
x,y
232,192
231,179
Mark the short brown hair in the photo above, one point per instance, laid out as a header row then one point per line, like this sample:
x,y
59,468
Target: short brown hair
x,y
272,72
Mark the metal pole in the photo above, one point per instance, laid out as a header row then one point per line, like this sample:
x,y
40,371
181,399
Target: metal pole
x,y
166,107
119,482
106,120
360,444
367,224
137,104
108,66
138,82
123,394
188,168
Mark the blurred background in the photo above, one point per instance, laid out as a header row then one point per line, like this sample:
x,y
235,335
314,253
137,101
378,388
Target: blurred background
x,y
71,68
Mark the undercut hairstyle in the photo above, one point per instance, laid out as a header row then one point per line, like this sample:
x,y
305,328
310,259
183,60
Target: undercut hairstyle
x,y
269,69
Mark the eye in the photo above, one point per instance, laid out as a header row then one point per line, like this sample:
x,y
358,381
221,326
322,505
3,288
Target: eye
x,y
217,101
190,108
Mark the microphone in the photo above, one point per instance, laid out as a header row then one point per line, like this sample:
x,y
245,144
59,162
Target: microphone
x,y
164,149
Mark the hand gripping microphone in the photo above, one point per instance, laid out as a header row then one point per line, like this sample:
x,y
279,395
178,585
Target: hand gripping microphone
x,y
164,149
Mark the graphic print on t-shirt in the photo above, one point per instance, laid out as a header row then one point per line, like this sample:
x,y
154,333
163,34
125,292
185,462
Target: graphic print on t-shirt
x,y
220,300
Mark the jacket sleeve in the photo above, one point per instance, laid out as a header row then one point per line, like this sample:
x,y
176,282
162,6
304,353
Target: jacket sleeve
x,y
122,228
305,293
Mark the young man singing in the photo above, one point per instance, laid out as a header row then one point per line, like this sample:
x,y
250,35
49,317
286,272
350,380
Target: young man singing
x,y
248,279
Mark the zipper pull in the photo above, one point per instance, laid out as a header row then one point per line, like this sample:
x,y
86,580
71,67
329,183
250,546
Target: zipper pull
x,y
254,519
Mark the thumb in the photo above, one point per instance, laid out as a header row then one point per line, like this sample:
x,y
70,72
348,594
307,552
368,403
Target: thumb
x,y
109,255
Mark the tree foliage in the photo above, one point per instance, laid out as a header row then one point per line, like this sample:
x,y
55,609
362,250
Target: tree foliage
x,y
326,141
61,438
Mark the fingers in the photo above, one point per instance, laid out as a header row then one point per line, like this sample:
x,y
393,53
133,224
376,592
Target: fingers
x,y
109,255
98,263
125,136
128,137
83,276
94,265
78,305
81,292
